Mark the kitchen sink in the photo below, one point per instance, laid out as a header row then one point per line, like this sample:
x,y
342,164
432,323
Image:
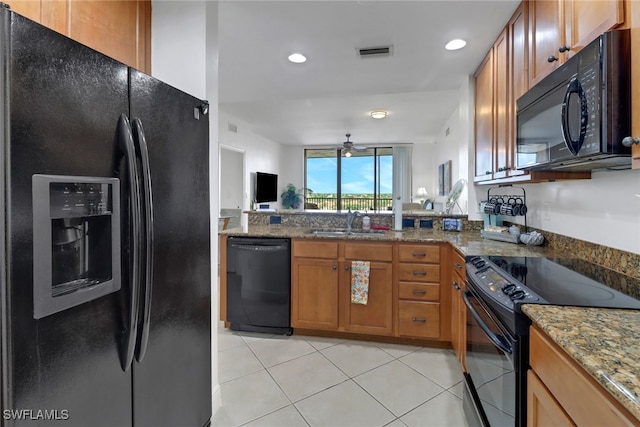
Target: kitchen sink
x,y
346,233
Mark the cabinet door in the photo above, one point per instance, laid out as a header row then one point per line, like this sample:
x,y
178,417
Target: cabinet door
x,y
314,293
545,20
542,409
119,29
502,138
27,8
634,9
518,73
484,119
586,20
376,316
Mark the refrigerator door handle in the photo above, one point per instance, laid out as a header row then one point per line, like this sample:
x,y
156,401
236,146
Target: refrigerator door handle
x,y
143,154
125,142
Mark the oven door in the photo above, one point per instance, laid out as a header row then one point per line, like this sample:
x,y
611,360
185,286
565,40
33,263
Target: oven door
x,y
490,397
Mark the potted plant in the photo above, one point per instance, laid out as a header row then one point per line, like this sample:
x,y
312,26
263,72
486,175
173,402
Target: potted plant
x,y
291,198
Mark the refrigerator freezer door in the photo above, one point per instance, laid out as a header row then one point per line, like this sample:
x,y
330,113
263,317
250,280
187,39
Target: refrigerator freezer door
x,y
172,385
64,102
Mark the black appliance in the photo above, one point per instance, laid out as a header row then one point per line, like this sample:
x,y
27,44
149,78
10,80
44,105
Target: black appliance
x,y
266,187
259,284
105,291
576,118
497,355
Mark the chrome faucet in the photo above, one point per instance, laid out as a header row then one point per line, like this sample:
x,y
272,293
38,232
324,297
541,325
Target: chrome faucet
x,y
350,217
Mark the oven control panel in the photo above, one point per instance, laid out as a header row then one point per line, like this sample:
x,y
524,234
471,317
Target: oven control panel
x,y
499,285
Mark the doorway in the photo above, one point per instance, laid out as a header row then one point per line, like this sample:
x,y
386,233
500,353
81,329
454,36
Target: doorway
x,y
232,192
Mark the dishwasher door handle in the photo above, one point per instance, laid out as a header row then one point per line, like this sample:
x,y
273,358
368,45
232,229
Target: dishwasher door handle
x,y
260,248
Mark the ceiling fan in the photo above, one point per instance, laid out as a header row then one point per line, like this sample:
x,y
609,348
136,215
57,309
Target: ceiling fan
x,y
348,147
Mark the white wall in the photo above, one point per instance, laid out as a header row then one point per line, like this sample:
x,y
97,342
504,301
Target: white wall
x,y
603,210
184,46
262,154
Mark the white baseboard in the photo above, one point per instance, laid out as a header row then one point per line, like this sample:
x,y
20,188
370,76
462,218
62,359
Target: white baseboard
x,y
216,400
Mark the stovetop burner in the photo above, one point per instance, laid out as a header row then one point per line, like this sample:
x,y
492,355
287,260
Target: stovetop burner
x,y
512,281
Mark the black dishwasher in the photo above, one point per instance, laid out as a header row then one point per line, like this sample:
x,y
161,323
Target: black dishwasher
x,y
259,284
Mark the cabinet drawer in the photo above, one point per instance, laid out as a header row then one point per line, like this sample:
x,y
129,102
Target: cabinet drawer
x,y
368,251
419,291
308,249
457,261
419,319
419,273
419,253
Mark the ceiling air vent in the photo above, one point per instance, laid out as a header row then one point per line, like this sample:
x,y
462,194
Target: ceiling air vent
x,y
373,52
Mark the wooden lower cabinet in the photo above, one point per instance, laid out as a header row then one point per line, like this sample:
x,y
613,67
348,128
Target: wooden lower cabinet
x,y
314,294
542,408
561,393
376,316
458,307
321,287
423,304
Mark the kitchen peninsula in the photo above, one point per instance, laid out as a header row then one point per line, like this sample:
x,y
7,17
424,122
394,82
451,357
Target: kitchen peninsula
x,y
425,310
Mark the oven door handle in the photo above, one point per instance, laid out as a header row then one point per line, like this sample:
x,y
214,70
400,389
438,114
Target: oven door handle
x,y
496,339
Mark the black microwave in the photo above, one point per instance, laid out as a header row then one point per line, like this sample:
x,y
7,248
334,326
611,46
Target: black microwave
x,y
576,117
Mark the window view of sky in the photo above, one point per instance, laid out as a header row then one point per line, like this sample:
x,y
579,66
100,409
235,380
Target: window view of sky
x,y
357,175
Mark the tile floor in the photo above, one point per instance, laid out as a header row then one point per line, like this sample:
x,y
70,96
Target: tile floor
x,y
272,380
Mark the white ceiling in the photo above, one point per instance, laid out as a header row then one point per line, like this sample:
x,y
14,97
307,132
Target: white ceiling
x,y
318,102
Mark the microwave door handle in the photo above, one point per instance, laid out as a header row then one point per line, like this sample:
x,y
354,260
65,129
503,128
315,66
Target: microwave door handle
x,y
495,339
574,145
143,153
126,146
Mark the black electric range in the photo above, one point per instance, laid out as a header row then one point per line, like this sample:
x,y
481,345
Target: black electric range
x,y
506,283
498,331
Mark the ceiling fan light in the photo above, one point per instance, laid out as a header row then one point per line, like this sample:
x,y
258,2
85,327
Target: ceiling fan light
x,y
378,114
347,153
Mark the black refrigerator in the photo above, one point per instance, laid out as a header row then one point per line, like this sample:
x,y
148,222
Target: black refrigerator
x,y
105,268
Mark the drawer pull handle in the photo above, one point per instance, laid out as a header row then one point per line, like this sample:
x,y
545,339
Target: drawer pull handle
x,y
456,285
419,273
419,292
346,268
419,254
458,266
419,319
335,267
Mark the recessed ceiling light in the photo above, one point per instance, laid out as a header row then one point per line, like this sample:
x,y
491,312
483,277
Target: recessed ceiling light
x,y
455,44
297,58
378,114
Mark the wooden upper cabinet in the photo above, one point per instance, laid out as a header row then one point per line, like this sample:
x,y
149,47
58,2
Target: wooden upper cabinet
x,y
585,20
544,38
484,119
502,119
634,15
518,71
119,29
560,28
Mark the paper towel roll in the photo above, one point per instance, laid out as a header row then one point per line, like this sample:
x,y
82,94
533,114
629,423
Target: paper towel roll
x,y
397,214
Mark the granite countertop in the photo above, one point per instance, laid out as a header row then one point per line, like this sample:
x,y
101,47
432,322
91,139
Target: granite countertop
x,y
467,242
605,342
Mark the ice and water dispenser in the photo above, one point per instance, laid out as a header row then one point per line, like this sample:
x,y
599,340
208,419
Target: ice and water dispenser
x,y
76,241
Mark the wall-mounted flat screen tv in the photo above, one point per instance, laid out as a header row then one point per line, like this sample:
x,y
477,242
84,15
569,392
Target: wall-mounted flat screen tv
x,y
266,187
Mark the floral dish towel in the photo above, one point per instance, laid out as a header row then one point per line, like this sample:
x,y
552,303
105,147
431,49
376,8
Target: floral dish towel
x,y
360,282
